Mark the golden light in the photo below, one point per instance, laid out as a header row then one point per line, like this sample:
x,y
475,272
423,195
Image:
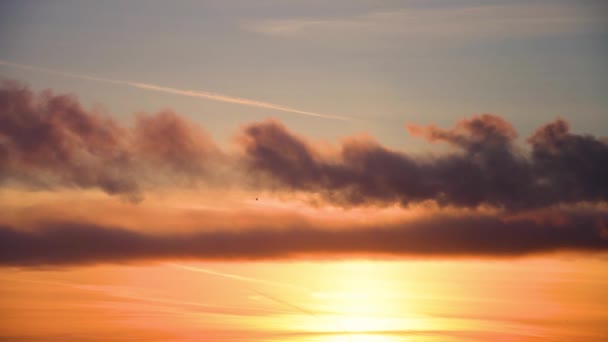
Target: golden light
x,y
360,301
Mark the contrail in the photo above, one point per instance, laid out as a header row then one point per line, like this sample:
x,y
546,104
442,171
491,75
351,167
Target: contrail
x,y
263,294
176,91
124,292
237,277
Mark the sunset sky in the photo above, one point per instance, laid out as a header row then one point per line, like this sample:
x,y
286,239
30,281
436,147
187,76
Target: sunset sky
x,y
303,170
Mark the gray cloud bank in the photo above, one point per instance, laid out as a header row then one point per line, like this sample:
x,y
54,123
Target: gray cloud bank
x,y
441,236
485,167
545,197
49,141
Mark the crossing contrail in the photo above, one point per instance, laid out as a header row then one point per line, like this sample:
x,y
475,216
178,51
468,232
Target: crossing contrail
x,y
237,277
273,298
183,92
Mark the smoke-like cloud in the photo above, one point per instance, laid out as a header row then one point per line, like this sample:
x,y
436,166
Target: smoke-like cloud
x,y
495,197
49,140
440,236
486,167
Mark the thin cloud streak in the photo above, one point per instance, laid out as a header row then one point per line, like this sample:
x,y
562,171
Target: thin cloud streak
x,y
176,91
439,22
273,298
236,100
236,277
130,293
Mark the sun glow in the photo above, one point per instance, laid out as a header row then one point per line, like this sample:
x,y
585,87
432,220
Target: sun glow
x,y
311,301
358,300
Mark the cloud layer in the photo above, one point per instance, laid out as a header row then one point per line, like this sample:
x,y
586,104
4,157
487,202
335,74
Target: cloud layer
x,y
489,195
49,140
485,167
441,236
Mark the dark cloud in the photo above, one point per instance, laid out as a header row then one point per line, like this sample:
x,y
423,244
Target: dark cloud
x,y
486,167
569,166
439,236
169,140
49,140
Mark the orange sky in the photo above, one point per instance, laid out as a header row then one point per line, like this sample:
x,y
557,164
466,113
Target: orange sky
x,y
155,232
321,171
531,299
556,296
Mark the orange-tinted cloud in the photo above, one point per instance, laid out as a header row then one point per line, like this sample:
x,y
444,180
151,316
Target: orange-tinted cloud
x,y
435,236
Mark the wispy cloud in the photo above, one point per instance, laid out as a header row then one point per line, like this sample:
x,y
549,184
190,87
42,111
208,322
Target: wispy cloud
x,y
445,21
176,91
236,277
143,295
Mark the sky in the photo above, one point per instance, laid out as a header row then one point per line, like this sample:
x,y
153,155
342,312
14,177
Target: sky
x,y
303,170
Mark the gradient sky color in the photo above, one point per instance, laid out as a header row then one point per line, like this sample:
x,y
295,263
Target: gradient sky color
x,y
381,171
383,61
